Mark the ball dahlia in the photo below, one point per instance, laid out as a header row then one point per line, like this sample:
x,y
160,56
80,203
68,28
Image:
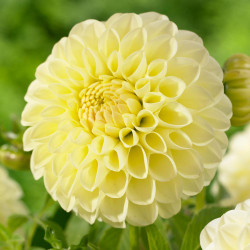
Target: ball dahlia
x,y
234,170
10,194
126,117
229,232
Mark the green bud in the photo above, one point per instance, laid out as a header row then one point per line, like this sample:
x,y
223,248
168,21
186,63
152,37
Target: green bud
x,y
14,158
237,87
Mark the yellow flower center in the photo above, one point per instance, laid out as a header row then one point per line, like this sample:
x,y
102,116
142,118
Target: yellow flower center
x,y
103,103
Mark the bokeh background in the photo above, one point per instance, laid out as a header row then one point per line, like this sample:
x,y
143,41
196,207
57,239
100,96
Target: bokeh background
x,y
30,28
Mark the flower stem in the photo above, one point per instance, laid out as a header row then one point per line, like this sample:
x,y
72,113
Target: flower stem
x,y
134,237
48,203
30,235
200,200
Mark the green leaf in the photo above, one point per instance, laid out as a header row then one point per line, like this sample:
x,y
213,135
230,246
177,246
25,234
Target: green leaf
x,y
75,230
17,220
178,225
54,232
134,234
84,245
191,239
8,240
111,239
5,234
52,237
157,239
124,241
96,232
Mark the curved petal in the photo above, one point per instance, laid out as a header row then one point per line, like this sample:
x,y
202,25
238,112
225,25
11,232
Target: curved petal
x,y
137,163
141,191
114,209
168,191
168,210
142,215
114,184
174,115
162,167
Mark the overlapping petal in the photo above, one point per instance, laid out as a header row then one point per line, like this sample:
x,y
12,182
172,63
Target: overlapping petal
x,y
234,170
229,232
126,117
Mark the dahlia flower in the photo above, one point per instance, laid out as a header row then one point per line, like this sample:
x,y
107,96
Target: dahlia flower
x,y
126,117
234,170
10,194
237,87
229,232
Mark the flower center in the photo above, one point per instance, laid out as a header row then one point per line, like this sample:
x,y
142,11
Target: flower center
x,y
102,106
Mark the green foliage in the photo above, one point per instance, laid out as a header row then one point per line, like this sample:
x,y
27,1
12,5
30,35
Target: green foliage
x,y
191,239
16,220
83,245
75,230
178,225
157,239
8,240
134,235
111,239
28,30
54,234
52,237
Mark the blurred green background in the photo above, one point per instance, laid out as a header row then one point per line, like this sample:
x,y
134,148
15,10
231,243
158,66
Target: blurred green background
x,y
29,28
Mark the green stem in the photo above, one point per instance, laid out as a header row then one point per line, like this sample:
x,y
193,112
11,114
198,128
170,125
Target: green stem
x,y
134,237
48,203
200,200
30,235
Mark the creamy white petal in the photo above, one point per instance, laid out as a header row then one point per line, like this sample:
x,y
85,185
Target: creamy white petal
x,y
141,215
114,185
157,68
92,175
171,87
134,41
153,142
174,115
137,163
234,170
186,69
141,191
114,209
230,231
162,167
168,191
162,47
168,210
127,116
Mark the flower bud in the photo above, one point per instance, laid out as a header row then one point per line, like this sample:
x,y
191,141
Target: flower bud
x,y
14,158
237,87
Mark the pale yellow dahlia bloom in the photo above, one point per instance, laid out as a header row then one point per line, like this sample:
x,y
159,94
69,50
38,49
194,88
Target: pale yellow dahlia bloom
x,y
126,117
229,232
234,170
10,195
237,87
